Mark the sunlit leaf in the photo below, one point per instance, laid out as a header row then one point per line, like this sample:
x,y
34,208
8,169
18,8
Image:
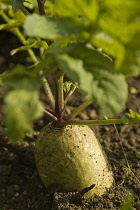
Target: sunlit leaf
x,y
118,34
107,89
86,8
123,10
14,78
137,153
128,203
134,114
51,28
31,4
22,107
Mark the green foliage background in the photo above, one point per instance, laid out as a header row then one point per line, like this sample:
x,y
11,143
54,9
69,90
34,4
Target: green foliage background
x,y
96,43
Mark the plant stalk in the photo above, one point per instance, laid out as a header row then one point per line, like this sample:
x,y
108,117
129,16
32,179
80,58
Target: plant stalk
x,y
59,96
79,109
100,122
49,114
71,91
41,6
48,93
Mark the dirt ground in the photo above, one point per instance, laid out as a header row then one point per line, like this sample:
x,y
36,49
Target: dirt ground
x,y
20,185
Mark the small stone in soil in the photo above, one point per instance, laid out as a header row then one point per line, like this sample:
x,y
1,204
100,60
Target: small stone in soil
x,y
25,192
16,187
17,195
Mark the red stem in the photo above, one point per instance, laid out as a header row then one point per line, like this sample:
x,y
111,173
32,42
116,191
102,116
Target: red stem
x,y
49,114
41,6
59,97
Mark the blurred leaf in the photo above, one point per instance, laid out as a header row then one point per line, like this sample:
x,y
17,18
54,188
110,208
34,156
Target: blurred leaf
x,y
137,152
110,46
86,8
5,5
103,86
51,28
126,60
123,10
47,64
86,53
16,4
19,16
118,34
113,26
134,114
127,35
91,57
128,117
19,74
22,107
16,19
67,86
128,203
31,4
94,73
5,1
49,8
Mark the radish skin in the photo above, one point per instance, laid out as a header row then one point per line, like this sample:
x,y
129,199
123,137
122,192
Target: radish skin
x,y
70,158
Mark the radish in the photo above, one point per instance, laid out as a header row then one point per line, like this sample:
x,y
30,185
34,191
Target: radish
x,y
70,158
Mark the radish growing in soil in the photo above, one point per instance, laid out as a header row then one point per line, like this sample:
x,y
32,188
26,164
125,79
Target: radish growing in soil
x,y
78,40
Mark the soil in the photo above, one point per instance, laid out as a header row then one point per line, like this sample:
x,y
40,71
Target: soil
x,y
20,184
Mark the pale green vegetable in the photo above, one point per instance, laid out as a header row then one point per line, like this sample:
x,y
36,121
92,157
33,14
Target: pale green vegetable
x,y
72,158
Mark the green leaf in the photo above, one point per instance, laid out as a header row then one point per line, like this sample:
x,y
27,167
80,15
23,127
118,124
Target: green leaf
x,y
74,69
51,28
128,203
111,46
108,89
86,53
67,86
17,79
126,59
134,114
5,1
118,34
127,35
123,10
16,19
32,44
91,57
31,4
94,73
16,4
137,152
85,8
22,107
129,117
47,64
